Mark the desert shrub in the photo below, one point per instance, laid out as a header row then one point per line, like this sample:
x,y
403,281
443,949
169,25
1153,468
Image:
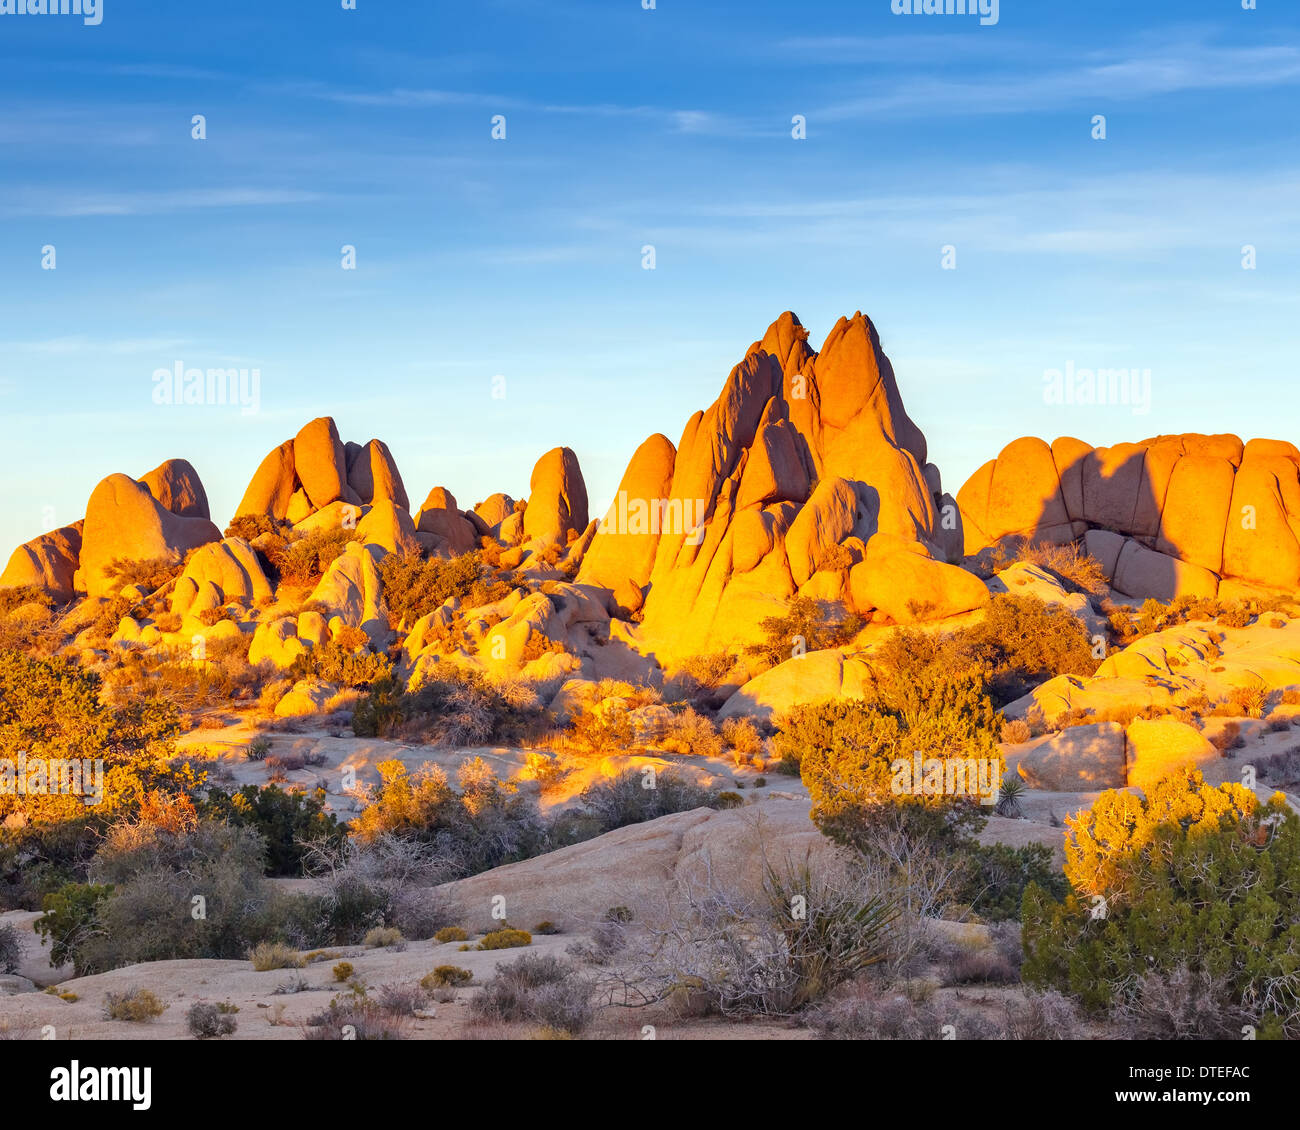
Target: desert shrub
x,y
634,797
266,956
16,596
1022,642
606,727
207,1021
402,1000
381,937
381,881
337,662
1070,564
355,1018
71,920
1016,731
505,938
287,822
691,734
807,625
303,560
742,736
1236,615
869,1014
847,749
1182,1004
1194,876
414,587
546,927
380,710
999,875
1042,1016
11,947
258,748
485,824
459,708
445,976
1228,738
342,971
144,879
450,934
137,1006
53,709
150,574
981,967
539,989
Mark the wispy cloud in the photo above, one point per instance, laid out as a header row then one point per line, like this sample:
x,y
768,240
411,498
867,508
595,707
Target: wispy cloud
x,y
1153,72
45,202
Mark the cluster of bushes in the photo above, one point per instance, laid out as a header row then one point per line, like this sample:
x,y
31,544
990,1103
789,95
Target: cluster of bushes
x,y
1154,616
288,557
459,708
807,625
184,885
171,676
52,708
346,659
415,586
537,989
484,823
1183,916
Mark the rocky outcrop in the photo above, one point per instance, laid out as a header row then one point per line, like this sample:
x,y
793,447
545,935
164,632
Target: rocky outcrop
x,y
1166,517
374,477
314,469
123,520
557,498
451,532
779,488
230,569
48,562
177,487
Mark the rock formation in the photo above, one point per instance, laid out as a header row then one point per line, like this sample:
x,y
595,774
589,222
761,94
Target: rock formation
x,y
805,476
1173,515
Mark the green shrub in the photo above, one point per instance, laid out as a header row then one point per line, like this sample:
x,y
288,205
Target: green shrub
x,y
1023,642
916,702
998,876
287,822
807,625
1194,878
11,948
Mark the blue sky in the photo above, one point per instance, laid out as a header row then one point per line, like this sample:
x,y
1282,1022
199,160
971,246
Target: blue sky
x,y
624,127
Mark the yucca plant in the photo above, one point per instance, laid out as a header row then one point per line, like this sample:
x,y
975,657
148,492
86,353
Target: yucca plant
x,y
1009,795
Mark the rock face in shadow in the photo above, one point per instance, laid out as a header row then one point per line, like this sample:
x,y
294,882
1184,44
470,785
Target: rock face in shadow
x,y
1199,515
781,488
